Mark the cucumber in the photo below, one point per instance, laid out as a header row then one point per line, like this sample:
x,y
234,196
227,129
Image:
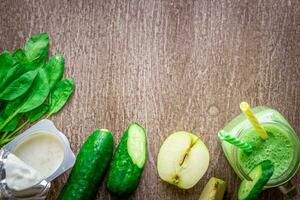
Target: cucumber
x,y
128,162
260,175
91,163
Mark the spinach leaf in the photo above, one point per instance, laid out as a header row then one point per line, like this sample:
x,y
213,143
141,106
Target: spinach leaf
x,y
26,79
37,113
6,62
2,116
12,125
11,106
55,69
37,93
10,129
10,111
20,57
2,105
15,72
37,48
9,77
35,96
60,95
32,116
19,86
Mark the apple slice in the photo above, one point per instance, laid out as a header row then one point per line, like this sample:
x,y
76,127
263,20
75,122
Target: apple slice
x,y
213,190
182,159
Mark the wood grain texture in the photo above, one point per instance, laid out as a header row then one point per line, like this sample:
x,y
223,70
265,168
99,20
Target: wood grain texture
x,y
169,65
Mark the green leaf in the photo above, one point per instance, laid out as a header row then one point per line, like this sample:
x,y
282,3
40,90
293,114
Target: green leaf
x,y
33,56
2,105
12,125
19,86
9,77
37,93
10,111
35,96
37,48
6,63
7,66
60,95
20,56
37,113
2,116
55,69
15,72
11,106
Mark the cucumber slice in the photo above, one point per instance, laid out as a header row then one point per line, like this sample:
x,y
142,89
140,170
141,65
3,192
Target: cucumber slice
x,y
136,144
260,175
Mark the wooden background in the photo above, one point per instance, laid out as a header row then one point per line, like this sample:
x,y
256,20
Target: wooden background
x,y
169,65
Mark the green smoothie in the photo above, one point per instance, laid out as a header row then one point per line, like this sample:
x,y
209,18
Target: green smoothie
x,y
282,147
278,148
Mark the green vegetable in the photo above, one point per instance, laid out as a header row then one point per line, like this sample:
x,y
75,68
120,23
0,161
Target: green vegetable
x,y
19,86
37,48
2,105
55,69
92,160
12,125
36,95
24,65
128,162
14,73
34,54
10,76
260,175
32,116
60,95
12,105
37,113
20,57
26,79
6,63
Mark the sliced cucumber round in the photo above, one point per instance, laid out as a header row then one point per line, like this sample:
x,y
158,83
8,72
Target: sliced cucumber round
x,y
260,175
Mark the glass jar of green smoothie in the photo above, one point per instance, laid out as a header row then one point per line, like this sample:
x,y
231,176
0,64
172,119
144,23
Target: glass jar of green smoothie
x,y
282,147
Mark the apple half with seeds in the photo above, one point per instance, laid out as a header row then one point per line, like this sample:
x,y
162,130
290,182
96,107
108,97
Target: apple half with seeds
x,y
182,159
213,190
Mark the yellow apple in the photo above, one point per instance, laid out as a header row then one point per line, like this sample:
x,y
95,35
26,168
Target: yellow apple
x,y
213,190
182,159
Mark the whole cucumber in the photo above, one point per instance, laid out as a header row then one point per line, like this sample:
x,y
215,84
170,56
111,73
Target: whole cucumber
x,y
128,162
91,163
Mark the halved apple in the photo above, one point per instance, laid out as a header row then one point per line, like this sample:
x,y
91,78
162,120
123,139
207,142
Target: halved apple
x,y
182,159
213,190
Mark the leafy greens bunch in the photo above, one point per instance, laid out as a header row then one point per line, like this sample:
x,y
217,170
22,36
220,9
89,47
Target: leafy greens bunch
x,y
31,86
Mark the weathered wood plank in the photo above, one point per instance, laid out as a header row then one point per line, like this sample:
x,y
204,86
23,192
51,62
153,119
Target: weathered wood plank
x,y
169,65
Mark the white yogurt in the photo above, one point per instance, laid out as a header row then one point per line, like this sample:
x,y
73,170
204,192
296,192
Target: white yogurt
x,y
19,175
42,151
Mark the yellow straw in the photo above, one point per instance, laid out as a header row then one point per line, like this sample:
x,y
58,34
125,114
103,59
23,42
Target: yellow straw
x,y
245,107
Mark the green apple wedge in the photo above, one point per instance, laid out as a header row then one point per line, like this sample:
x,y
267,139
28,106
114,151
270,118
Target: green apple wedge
x,y
213,190
182,159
